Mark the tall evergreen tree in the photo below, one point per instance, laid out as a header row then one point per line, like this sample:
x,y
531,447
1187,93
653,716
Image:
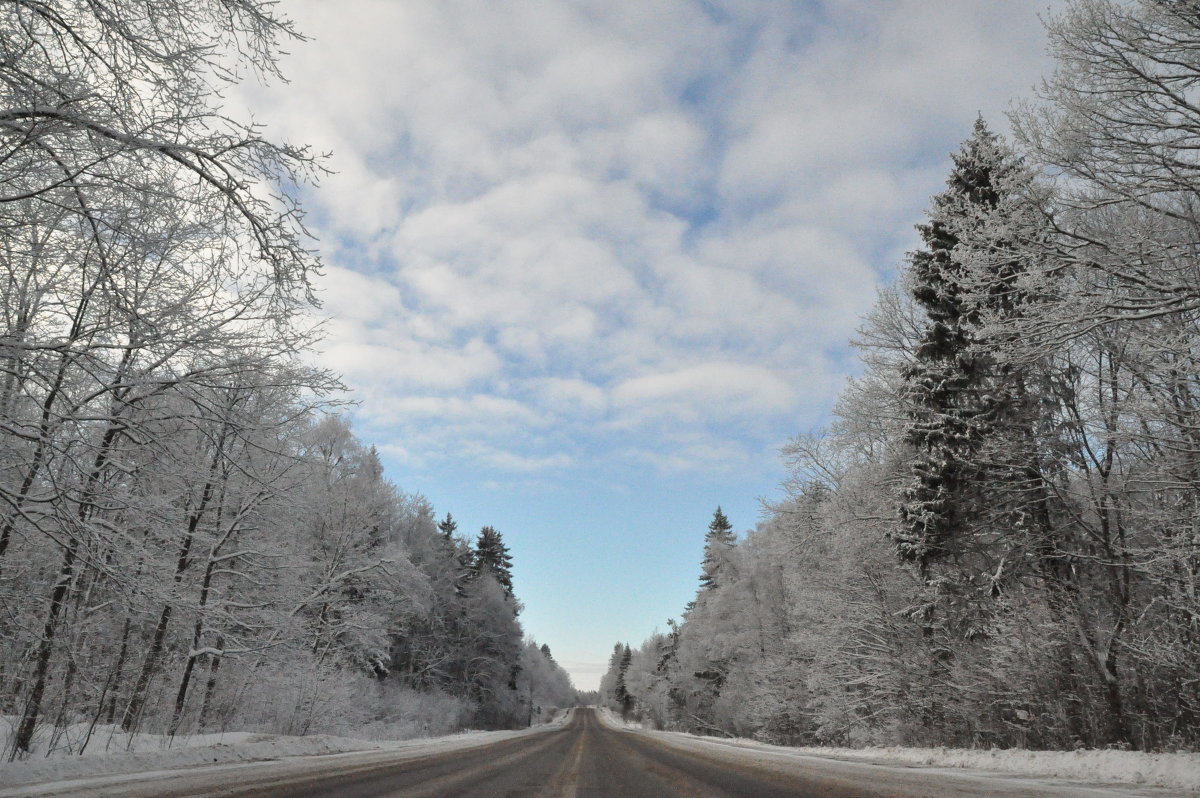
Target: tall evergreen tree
x,y
718,541
491,554
457,551
621,692
970,412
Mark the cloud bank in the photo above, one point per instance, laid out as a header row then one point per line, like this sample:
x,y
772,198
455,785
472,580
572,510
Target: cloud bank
x,y
565,230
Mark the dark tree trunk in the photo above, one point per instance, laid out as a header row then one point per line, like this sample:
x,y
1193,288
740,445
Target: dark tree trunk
x,y
210,686
58,600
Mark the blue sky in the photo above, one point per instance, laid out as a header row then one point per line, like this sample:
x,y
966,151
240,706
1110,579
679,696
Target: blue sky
x,y
589,264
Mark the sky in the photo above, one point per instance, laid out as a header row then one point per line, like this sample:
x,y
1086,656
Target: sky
x,y
589,264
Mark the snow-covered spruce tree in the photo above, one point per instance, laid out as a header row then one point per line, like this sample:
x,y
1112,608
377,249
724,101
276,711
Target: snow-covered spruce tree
x,y
608,682
718,541
491,556
705,651
977,490
621,695
979,515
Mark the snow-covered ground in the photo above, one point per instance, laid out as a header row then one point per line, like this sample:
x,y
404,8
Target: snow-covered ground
x,y
1172,771
146,753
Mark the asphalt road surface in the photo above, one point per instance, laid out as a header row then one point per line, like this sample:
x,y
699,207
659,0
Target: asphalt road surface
x,y
581,760
585,758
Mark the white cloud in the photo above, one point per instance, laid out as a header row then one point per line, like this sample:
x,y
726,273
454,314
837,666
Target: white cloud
x,y
573,397
348,295
690,454
716,387
567,227
478,407
387,356
509,462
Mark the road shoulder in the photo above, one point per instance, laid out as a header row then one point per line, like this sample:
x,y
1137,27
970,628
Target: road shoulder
x,y
874,767
79,776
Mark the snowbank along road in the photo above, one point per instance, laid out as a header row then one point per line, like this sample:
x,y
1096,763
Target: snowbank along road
x,y
584,757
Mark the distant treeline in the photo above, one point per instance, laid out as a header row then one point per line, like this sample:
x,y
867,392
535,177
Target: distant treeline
x,y
997,540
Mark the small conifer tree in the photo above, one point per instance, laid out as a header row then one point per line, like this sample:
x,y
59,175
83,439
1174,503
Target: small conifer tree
x,y
492,554
717,543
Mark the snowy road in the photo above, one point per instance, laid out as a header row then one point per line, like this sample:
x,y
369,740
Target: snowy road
x,y
583,758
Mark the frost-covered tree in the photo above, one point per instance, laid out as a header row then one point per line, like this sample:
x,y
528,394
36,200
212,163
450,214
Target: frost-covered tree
x,y
718,541
543,685
187,540
621,695
1117,119
153,250
950,383
466,640
612,677
491,556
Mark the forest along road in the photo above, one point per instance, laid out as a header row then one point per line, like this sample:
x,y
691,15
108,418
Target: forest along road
x,y
584,757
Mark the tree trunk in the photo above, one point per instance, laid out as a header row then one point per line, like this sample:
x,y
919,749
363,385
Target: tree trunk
x,y
22,742
150,664
181,694
58,597
137,699
210,686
